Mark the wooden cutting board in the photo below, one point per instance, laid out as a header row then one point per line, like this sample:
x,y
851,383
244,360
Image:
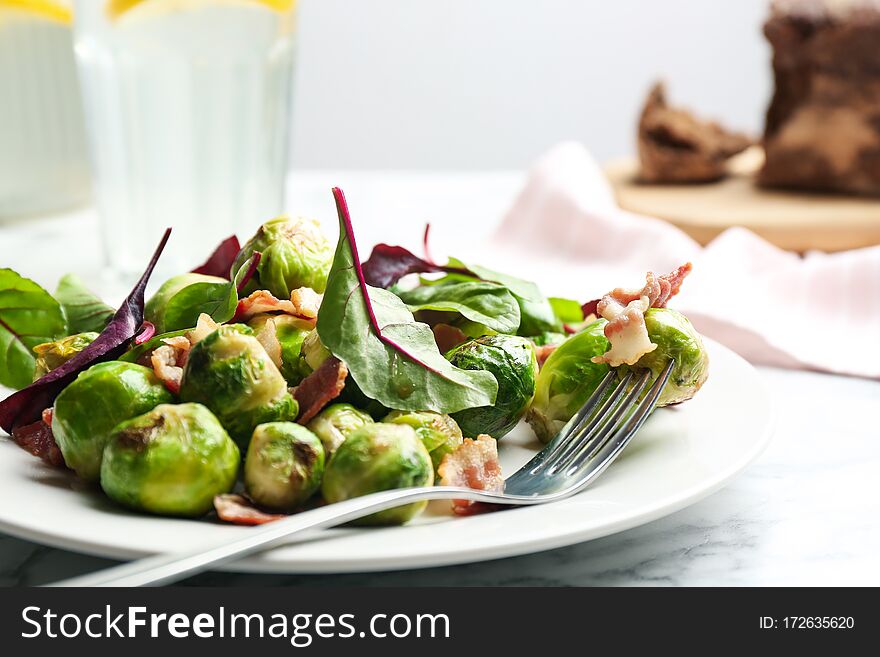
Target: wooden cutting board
x,y
790,220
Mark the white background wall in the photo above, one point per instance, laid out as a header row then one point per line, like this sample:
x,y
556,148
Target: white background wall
x,y
476,84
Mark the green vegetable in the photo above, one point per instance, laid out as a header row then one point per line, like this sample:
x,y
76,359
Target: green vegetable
x,y
676,338
28,316
295,254
393,359
567,311
488,304
84,310
439,433
536,313
312,353
54,354
180,300
284,465
567,380
379,457
231,374
290,333
172,461
335,423
548,338
512,361
99,398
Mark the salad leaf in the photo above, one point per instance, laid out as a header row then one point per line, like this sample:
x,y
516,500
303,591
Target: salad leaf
x,y
392,359
26,405
137,351
219,300
85,311
387,264
28,316
489,304
567,311
220,262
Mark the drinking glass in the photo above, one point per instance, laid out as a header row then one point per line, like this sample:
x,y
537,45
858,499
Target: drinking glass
x,y
187,107
43,162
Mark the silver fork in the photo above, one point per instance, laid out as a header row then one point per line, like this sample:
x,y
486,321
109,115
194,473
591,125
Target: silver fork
x,y
582,450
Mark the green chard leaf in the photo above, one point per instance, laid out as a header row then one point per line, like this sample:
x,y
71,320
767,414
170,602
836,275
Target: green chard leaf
x,y
489,304
217,299
392,358
28,316
536,313
568,311
84,310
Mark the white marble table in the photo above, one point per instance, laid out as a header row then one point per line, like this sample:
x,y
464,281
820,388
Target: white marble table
x,y
806,513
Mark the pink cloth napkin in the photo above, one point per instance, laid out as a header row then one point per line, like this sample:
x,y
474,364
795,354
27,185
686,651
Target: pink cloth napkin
x,y
820,311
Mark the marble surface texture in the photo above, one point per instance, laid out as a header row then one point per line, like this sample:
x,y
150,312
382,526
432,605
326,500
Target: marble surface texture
x,y
807,512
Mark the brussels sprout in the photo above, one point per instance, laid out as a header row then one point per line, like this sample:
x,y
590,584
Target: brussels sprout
x,y
567,379
295,253
172,460
155,309
438,433
54,354
312,353
335,423
512,361
231,374
284,465
379,457
290,332
676,338
98,399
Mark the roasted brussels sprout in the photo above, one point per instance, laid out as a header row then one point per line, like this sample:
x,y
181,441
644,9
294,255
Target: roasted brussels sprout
x,y
439,433
290,333
284,465
379,457
312,353
101,397
231,374
157,306
512,361
295,253
172,460
335,423
676,338
54,354
567,379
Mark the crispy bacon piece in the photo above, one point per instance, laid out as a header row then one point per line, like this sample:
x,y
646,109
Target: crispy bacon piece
x,y
542,353
37,439
239,510
205,326
625,311
320,388
474,464
268,337
448,337
303,304
169,360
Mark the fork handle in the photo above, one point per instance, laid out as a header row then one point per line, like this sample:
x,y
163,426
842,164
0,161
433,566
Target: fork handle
x,y
165,568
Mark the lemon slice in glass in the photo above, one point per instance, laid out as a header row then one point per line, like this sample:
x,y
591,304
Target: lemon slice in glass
x,y
54,10
119,8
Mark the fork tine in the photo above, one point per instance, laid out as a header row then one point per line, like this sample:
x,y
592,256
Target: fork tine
x,y
597,464
593,434
584,417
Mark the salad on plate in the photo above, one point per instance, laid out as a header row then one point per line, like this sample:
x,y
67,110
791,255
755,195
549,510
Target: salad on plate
x,y
283,374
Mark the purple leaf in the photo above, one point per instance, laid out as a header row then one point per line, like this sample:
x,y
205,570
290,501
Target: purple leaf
x,y
27,405
220,262
388,264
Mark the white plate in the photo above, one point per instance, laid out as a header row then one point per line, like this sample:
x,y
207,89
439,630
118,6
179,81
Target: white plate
x,y
681,455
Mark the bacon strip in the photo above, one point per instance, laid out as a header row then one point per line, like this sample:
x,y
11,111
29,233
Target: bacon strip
x,y
320,388
625,311
239,510
169,360
303,304
473,464
37,439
